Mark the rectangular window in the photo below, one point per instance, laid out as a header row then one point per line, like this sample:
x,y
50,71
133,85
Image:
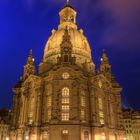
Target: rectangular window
x,y
65,116
65,108
65,100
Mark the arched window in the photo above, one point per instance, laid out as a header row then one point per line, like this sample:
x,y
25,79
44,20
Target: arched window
x,y
65,104
65,92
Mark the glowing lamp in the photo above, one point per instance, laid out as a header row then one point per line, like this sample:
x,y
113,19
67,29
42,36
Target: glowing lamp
x,y
7,138
27,137
124,138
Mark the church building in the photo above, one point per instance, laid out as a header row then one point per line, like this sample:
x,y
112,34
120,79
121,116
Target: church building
x,y
67,98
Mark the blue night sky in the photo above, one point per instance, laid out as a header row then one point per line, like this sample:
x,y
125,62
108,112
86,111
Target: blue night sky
x,y
110,24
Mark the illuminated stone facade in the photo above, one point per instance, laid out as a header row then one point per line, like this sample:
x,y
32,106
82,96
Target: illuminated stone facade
x,y
4,129
67,99
131,123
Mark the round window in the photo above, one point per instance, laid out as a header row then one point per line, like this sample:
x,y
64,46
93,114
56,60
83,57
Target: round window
x,y
65,75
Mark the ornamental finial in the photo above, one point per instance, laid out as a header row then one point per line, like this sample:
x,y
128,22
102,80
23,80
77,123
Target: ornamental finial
x,y
68,2
31,51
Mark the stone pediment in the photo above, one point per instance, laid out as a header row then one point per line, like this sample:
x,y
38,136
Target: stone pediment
x,y
74,71
32,78
101,81
32,81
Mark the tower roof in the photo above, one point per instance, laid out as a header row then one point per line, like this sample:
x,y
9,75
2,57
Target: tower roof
x,y
68,6
30,59
104,58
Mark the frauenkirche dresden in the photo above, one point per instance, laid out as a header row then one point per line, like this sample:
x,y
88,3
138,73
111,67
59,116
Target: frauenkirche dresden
x,y
67,98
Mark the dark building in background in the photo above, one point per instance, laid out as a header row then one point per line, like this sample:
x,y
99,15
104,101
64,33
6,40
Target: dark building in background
x,y
4,124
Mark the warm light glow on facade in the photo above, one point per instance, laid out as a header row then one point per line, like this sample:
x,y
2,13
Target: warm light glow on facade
x,y
124,138
66,99
101,112
65,132
103,137
7,138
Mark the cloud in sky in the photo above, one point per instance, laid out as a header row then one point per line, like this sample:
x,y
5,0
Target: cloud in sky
x,y
121,23
126,21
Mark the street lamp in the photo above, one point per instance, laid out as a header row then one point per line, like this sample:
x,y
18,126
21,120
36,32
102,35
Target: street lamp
x,y
7,138
124,138
27,137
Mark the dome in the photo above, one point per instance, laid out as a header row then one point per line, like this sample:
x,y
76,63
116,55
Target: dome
x,y
81,49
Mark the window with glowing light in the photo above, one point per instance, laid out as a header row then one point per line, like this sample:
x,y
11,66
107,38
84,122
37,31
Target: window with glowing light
x,y
65,100
65,75
65,108
49,101
31,110
100,103
82,114
83,104
83,101
65,104
65,132
101,112
65,116
65,92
